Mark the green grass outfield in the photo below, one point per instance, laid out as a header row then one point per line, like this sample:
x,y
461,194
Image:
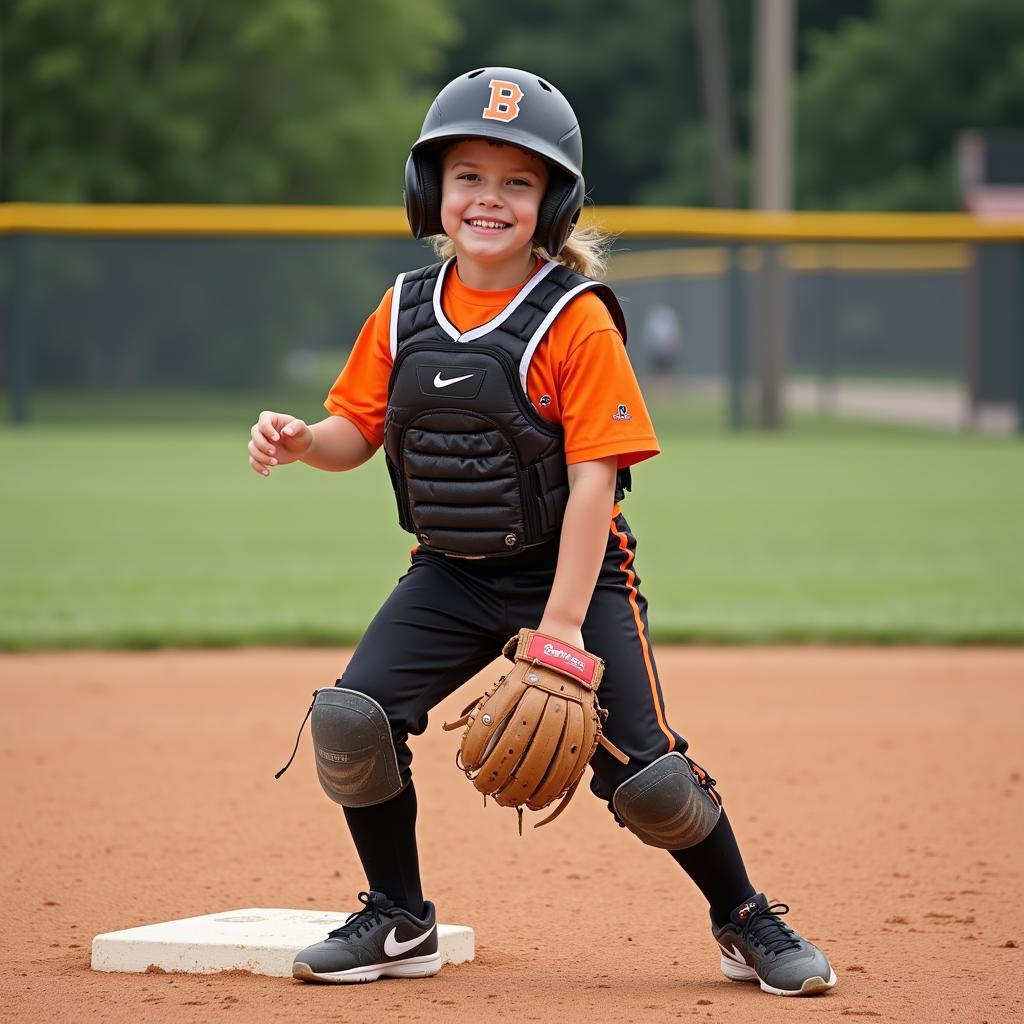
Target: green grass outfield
x,y
130,536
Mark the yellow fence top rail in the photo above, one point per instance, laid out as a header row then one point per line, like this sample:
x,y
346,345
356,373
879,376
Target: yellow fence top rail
x,y
312,221
390,222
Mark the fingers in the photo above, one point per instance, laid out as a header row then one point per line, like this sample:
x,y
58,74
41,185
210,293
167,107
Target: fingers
x,y
269,423
294,428
261,456
277,439
264,436
261,440
296,439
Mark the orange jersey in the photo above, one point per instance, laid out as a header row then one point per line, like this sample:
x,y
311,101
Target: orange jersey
x,y
580,376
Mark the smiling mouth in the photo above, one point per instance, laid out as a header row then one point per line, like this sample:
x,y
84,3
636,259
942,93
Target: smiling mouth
x,y
482,222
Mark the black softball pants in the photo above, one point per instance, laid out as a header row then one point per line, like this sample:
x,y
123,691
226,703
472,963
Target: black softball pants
x,y
448,618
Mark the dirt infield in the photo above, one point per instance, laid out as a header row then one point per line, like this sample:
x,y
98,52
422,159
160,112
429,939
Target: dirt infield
x,y
879,792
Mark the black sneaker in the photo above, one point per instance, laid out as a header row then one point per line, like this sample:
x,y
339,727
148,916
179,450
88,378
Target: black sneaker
x,y
757,946
380,941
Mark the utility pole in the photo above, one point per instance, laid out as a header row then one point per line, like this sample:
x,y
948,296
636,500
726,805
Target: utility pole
x,y
714,67
774,33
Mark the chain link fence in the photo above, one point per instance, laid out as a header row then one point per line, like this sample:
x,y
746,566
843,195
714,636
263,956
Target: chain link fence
x,y
147,325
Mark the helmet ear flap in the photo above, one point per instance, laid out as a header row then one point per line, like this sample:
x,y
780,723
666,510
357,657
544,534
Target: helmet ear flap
x,y
423,195
559,211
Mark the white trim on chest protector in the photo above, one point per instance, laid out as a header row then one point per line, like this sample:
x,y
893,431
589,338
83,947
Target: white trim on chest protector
x,y
478,332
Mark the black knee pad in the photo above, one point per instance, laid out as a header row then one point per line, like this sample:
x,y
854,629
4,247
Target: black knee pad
x,y
356,760
666,805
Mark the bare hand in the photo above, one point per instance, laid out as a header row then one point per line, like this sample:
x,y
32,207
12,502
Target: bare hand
x,y
277,439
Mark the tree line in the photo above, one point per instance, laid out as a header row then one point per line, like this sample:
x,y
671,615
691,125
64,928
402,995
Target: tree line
x,y
317,101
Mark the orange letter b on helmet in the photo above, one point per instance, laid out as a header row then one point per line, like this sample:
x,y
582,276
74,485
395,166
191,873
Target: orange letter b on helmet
x,y
505,97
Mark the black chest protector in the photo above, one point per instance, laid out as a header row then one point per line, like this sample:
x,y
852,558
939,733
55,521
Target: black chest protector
x,y
476,470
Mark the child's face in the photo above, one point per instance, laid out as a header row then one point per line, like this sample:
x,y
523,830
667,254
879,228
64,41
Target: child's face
x,y
490,195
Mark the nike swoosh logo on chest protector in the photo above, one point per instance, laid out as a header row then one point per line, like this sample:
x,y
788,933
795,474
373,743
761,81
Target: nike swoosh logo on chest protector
x,y
440,382
444,383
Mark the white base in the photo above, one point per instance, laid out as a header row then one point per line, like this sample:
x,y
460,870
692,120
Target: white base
x,y
258,940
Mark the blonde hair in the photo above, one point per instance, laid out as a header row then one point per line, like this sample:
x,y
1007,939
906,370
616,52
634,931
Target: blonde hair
x,y
586,251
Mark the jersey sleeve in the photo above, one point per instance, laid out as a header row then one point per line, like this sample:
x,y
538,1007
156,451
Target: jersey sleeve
x,y
602,409
360,393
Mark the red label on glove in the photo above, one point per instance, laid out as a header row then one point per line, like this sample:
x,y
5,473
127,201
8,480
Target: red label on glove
x,y
568,659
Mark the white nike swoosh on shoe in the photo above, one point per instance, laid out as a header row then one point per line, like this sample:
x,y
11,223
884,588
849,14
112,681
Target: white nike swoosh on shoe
x,y
392,947
440,382
734,954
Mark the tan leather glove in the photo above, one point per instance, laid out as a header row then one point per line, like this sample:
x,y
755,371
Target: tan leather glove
x,y
529,738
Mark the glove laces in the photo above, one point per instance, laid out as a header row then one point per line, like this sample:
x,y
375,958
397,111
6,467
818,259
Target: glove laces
x,y
764,928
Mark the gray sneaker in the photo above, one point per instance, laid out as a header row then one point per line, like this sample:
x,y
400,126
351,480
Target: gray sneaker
x,y
757,946
380,941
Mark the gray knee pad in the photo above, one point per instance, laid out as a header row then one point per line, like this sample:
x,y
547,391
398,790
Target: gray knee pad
x,y
355,754
665,805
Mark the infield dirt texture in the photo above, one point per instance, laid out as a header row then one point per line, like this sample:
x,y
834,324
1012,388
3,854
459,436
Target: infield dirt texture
x,y
878,792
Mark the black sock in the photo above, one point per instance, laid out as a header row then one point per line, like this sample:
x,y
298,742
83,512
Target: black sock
x,y
716,866
385,838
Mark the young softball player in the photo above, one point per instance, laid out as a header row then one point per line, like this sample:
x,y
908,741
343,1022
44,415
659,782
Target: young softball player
x,y
498,384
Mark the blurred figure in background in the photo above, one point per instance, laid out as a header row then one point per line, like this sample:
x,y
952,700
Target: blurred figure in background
x,y
662,344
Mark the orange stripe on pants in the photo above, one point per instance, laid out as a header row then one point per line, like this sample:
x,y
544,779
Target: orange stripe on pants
x,y
644,646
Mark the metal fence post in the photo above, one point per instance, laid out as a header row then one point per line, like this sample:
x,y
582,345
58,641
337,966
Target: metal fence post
x,y
1018,350
828,341
735,327
15,329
